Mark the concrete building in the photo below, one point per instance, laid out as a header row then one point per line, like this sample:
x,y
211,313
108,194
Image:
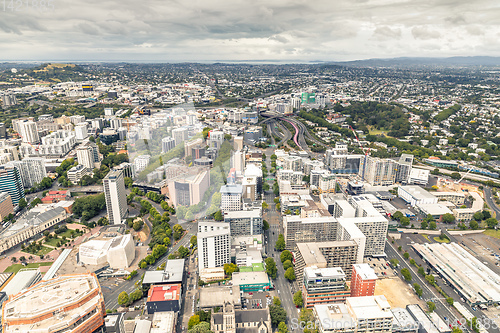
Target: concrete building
x,y
36,221
77,172
419,177
189,190
425,324
67,303
363,280
323,285
141,162
9,100
231,320
403,322
162,298
245,222
28,132
415,195
55,144
214,244
10,182
24,278
343,254
358,314
81,132
116,198
167,144
211,274
118,252
172,273
251,281
231,196
377,171
88,155
114,323
456,198
180,135
215,296
254,171
32,170
6,206
163,322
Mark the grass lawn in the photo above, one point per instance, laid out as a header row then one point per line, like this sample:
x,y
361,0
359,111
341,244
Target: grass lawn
x,y
374,131
439,240
492,233
53,242
67,233
426,237
43,251
16,267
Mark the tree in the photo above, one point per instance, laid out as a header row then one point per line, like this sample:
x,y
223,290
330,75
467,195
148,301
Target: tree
x,y
287,264
282,328
491,222
478,216
128,182
202,327
229,269
486,214
297,299
276,301
400,248
450,300
271,269
432,225
412,262
394,262
290,274
265,205
218,216
286,255
406,255
183,251
280,243
406,274
193,320
424,224
397,215
448,218
473,225
431,306
178,231
265,225
35,202
193,240
455,175
418,289
135,295
405,221
204,315
430,278
421,271
123,298
22,203
278,314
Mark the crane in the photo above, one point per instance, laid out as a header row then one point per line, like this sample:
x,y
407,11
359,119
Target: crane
x,y
458,181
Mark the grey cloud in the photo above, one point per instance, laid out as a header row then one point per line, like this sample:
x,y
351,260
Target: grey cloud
x,y
386,33
424,33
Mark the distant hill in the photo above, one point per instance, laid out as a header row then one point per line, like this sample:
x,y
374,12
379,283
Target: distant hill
x,y
423,62
56,72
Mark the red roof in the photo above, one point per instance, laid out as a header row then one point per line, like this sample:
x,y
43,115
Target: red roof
x,y
166,292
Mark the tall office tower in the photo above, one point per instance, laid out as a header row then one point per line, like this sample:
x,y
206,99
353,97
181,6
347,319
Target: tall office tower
x,y
363,280
29,131
377,171
32,170
81,132
238,161
238,142
3,131
115,123
10,182
404,165
231,196
254,171
116,198
167,144
180,135
214,244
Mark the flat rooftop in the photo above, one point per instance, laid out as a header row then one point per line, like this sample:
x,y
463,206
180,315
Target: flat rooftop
x,y
313,272
365,271
216,296
370,307
169,292
311,252
39,303
243,278
173,272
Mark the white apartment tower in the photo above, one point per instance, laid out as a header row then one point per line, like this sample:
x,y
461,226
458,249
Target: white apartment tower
x,y
87,155
180,135
29,131
231,196
116,198
81,132
167,143
214,244
32,170
141,162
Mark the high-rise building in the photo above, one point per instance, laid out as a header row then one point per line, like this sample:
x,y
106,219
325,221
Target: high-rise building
x,y
77,305
323,285
231,195
116,198
29,132
215,139
141,162
115,123
3,131
378,171
81,132
238,161
245,222
88,155
9,100
214,244
10,182
180,135
6,206
32,170
167,143
189,190
363,280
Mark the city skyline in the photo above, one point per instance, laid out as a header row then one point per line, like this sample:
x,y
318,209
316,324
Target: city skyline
x,y
287,31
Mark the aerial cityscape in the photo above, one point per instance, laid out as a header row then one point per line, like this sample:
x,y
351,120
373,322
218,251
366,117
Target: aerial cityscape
x,y
249,167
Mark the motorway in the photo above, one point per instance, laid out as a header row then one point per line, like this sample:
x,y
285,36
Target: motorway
x,y
488,197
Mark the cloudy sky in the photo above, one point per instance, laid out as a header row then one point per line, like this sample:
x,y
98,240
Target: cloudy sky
x,y
214,30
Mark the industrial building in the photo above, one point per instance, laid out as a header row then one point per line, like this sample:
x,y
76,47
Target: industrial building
x,y
118,252
66,303
472,279
323,285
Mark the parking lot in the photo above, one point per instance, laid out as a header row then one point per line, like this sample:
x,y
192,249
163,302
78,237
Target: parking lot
x,y
485,248
381,267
